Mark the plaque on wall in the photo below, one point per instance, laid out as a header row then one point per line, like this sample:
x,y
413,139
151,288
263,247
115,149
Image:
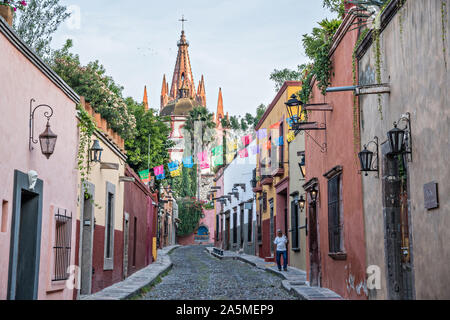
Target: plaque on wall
x,y
431,195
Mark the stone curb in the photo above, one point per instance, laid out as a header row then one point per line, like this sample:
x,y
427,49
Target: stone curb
x,y
134,284
298,287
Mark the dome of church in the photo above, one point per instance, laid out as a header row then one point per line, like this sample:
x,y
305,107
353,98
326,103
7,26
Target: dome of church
x,y
180,107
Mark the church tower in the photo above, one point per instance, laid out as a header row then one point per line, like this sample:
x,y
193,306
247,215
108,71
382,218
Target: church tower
x,y
220,114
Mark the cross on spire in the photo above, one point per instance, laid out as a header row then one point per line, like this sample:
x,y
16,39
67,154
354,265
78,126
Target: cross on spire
x,y
183,20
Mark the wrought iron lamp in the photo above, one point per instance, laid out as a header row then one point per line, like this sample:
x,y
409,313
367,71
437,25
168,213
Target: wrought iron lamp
x,y
47,138
366,158
294,109
302,203
302,165
313,194
95,153
400,139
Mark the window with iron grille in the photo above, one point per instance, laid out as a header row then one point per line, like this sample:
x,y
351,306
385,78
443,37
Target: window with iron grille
x,y
334,214
62,245
264,201
235,225
134,241
109,225
294,224
217,227
259,218
250,225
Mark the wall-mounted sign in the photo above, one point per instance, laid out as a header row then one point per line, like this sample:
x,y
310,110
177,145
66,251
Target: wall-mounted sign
x,y
431,195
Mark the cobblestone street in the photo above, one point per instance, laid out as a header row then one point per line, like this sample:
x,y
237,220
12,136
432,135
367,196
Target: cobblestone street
x,y
196,275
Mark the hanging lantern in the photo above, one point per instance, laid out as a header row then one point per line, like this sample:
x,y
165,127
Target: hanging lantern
x,y
48,141
95,153
302,203
302,166
365,158
396,139
294,109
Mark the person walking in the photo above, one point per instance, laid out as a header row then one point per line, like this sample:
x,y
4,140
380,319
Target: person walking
x,y
281,241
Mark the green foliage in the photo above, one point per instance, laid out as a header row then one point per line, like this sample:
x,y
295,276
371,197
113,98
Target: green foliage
x,y
201,119
335,6
38,22
190,211
86,128
185,186
99,89
148,125
281,76
317,47
245,123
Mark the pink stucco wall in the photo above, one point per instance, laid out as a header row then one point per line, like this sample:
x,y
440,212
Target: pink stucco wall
x,y
347,276
209,222
20,81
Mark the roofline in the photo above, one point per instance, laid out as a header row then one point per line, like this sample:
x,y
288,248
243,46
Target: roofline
x,y
286,84
15,40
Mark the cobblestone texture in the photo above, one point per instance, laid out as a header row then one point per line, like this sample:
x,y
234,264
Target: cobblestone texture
x,y
196,275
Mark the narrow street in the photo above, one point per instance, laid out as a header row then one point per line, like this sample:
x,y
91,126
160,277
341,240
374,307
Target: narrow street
x,y
198,276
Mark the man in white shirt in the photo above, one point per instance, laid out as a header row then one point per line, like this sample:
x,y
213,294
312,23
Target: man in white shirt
x,y
281,241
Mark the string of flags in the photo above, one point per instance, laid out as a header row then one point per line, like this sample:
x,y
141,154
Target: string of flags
x,y
218,155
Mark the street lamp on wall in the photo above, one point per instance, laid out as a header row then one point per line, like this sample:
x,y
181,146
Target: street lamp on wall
x,y
366,158
294,109
47,138
302,203
313,193
302,165
400,140
95,153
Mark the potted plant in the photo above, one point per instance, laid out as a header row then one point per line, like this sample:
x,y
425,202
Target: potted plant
x,y
8,7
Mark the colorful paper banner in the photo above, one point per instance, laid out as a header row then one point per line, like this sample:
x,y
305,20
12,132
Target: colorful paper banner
x,y
291,136
262,134
158,170
217,151
247,140
145,176
218,160
188,162
243,153
204,165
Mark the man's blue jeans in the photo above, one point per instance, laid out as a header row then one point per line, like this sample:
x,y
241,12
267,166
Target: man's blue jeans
x,y
285,260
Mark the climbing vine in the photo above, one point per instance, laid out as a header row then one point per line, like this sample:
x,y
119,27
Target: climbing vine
x,y
444,29
190,211
355,98
87,128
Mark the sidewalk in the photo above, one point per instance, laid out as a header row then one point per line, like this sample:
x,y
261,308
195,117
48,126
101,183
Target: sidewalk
x,y
134,283
294,280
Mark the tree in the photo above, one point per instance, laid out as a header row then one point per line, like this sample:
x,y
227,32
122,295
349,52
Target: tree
x,y
148,125
38,22
259,114
281,76
201,119
335,6
98,88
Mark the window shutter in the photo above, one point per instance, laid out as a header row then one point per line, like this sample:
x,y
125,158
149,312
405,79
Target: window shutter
x,y
334,229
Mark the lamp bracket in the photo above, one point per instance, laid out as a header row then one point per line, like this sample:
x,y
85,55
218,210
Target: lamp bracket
x,y
375,165
406,119
47,114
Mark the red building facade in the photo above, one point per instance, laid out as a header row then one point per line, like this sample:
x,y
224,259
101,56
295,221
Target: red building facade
x,y
140,214
335,242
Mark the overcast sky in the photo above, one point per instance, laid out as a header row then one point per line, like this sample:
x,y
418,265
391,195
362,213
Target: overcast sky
x,y
234,44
